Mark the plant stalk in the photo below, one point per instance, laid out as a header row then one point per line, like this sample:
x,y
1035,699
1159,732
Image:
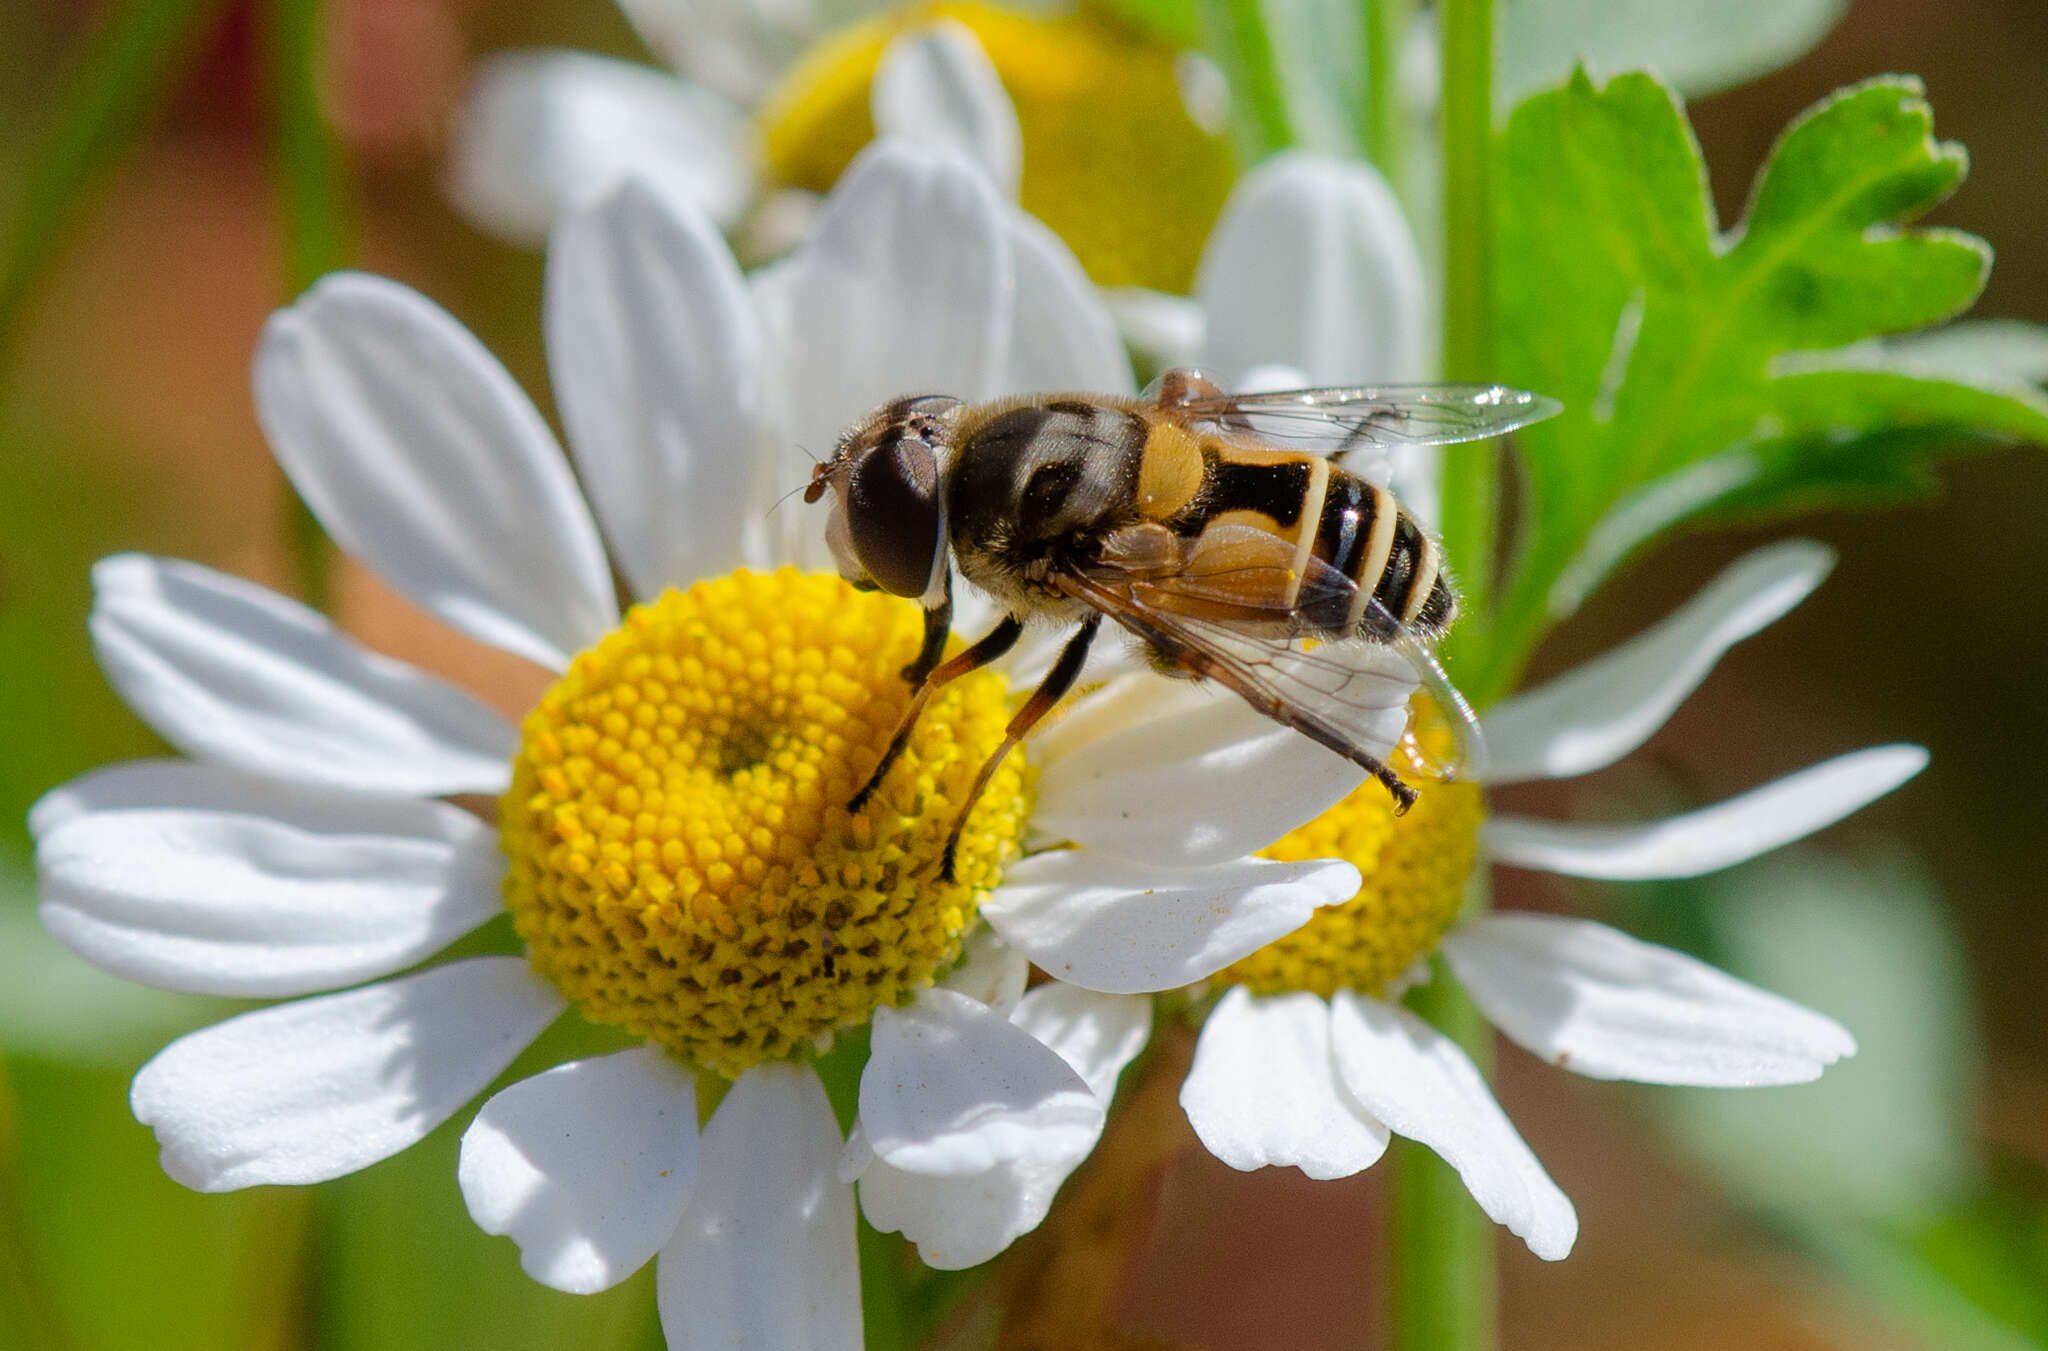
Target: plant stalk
x,y
1471,479
1444,1283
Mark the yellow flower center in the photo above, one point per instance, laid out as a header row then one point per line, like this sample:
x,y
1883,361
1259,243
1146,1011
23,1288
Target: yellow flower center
x,y
681,861
1415,868
1113,161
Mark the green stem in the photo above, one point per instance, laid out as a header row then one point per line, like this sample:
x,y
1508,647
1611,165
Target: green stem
x,y
1444,1271
1444,1291
102,108
312,202
1471,498
1235,33
1380,117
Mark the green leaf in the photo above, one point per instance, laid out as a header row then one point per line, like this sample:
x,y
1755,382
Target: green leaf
x,y
1696,364
1699,48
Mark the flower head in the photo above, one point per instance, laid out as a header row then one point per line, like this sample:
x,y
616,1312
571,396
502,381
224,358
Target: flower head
x,y
1110,138
1579,994
1308,1058
672,833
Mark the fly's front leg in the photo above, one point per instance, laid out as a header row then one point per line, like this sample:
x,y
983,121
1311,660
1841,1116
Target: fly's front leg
x,y
998,640
938,626
1049,692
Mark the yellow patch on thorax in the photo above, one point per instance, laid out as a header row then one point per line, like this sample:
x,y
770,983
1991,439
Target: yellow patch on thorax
x,y
1170,473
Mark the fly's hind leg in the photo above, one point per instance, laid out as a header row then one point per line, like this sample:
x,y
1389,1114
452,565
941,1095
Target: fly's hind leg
x,y
1049,692
995,643
1198,663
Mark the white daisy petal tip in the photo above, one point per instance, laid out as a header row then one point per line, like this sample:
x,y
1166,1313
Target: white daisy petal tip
x,y
1424,1088
542,130
911,249
952,1088
1263,1091
425,460
1712,838
1598,712
936,86
1592,1000
655,353
233,673
195,878
1312,264
586,1166
314,1090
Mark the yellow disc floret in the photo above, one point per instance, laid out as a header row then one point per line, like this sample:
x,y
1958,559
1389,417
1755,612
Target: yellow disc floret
x,y
681,861
1415,868
1113,160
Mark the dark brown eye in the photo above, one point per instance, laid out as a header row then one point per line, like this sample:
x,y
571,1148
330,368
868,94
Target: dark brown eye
x,y
892,514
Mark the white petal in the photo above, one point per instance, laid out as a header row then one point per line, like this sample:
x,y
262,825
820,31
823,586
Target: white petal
x,y
1134,928
953,1088
765,1257
963,1221
1263,1091
228,671
1713,837
737,49
1062,336
586,1167
936,86
960,1222
904,289
1203,779
423,459
1600,711
1096,1034
1313,264
314,1090
1597,1002
1423,1087
1167,330
542,131
990,971
194,878
655,354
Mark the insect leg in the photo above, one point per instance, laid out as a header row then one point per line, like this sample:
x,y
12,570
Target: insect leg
x,y
1049,692
1202,664
938,626
995,643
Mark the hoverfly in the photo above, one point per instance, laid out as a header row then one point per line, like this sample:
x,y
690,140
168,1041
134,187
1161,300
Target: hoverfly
x,y
1222,530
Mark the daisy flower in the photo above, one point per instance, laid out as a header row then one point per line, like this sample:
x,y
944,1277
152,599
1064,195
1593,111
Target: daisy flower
x,y
669,834
1307,1059
1115,142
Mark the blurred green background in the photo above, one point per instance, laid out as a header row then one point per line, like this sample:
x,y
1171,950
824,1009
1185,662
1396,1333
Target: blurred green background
x,y
1902,1202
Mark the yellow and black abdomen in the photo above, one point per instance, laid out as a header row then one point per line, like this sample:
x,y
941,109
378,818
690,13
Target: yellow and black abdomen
x,y
1364,534
1324,512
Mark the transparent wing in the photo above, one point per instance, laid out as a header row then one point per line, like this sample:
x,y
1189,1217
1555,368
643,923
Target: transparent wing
x,y
1226,593
1342,418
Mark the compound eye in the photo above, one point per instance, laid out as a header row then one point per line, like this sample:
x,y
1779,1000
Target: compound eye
x,y
892,514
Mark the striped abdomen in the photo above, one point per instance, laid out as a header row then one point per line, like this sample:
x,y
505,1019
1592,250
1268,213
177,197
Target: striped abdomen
x,y
1363,533
1326,513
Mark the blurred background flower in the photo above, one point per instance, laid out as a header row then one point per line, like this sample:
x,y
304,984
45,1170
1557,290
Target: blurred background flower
x,y
135,271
